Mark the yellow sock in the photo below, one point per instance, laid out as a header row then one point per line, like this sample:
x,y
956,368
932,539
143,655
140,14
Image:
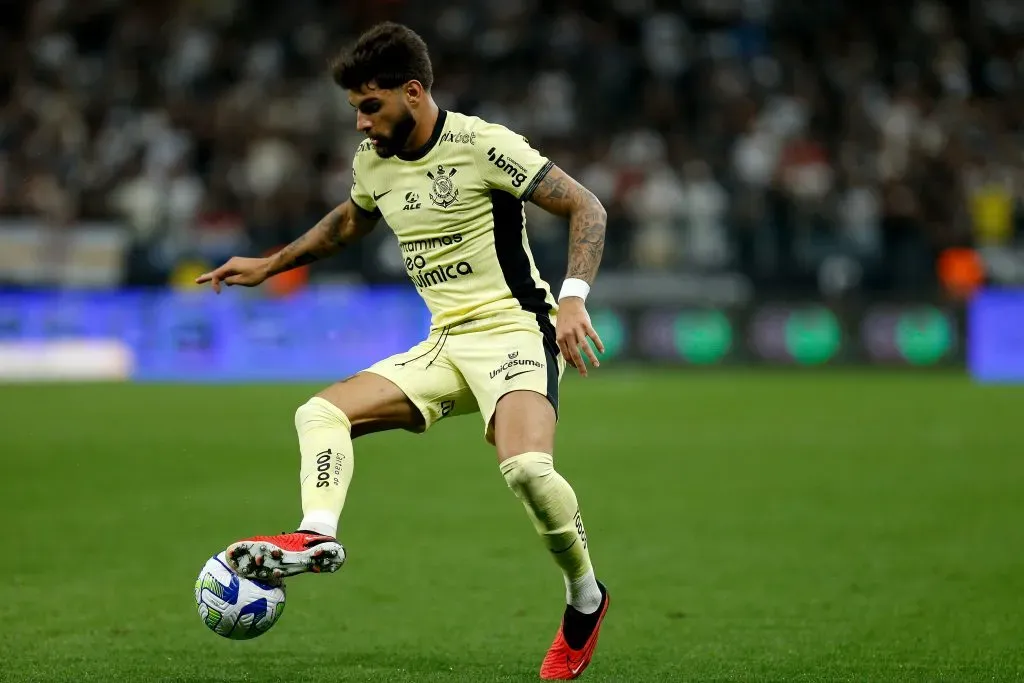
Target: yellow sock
x,y
325,442
552,506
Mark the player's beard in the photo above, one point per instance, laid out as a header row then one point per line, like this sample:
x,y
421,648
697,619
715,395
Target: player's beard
x,y
391,145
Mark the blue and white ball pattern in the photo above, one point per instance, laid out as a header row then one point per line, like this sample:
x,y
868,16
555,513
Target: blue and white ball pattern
x,y
235,607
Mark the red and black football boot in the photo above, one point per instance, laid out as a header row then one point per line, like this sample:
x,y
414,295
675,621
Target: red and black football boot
x,y
574,643
275,557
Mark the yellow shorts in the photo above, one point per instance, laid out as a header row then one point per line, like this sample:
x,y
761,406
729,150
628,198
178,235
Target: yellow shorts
x,y
467,368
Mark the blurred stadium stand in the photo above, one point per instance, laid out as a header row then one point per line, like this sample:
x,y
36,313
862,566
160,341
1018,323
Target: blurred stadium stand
x,y
830,151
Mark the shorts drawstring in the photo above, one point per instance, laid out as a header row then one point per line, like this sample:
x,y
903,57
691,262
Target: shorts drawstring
x,y
439,345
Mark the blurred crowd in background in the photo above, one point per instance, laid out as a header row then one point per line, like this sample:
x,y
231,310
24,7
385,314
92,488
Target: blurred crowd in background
x,y
809,146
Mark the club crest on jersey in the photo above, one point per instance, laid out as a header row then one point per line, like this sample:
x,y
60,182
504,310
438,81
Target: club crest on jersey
x,y
443,191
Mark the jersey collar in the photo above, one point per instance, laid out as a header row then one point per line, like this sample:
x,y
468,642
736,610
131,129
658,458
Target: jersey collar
x,y
421,152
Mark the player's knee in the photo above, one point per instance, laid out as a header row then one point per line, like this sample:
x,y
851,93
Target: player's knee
x,y
319,412
526,469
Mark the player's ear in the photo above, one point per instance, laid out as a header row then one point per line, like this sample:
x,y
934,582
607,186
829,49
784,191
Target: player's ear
x,y
413,91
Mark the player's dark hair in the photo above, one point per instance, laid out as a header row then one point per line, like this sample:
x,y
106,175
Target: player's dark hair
x,y
389,55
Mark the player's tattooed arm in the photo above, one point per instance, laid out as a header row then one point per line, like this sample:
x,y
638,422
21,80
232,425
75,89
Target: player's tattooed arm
x,y
342,226
560,194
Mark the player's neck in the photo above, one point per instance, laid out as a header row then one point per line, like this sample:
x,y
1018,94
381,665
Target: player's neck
x,y
424,127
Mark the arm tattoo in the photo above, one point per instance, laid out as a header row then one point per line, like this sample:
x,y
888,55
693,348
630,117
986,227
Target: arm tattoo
x,y
330,234
586,240
554,187
561,195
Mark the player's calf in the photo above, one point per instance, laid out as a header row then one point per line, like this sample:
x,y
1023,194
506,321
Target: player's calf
x,y
552,506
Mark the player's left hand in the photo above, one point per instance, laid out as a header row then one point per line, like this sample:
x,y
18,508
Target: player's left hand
x,y
572,332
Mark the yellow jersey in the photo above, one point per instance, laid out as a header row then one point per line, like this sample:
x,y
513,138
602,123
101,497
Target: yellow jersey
x,y
457,206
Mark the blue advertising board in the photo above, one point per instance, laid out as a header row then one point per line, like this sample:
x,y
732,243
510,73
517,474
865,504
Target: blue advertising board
x,y
995,333
317,334
325,333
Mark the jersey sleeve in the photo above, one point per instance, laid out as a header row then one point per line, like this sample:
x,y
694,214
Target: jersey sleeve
x,y
508,162
361,196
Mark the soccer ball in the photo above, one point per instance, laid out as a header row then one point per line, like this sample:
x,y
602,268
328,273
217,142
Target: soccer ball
x,y
235,607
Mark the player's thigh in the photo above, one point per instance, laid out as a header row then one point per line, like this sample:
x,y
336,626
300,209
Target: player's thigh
x,y
523,422
410,391
514,369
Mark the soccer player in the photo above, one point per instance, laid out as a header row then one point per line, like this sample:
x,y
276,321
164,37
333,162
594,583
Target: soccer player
x,y
452,188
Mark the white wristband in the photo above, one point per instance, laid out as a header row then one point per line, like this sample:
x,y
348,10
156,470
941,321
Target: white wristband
x,y
574,287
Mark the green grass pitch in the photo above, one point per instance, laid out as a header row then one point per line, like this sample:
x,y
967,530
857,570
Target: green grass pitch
x,y
752,526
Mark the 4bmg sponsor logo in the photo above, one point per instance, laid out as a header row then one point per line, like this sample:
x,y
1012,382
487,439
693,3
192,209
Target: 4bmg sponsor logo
x,y
513,169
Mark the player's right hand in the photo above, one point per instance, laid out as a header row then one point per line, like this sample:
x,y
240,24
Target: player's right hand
x,y
247,272
574,331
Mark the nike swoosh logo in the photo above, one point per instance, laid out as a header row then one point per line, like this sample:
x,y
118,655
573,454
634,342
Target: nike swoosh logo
x,y
574,669
377,197
508,376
